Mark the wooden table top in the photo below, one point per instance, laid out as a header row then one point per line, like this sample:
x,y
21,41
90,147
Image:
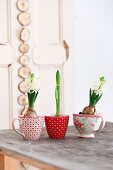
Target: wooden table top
x,y
71,153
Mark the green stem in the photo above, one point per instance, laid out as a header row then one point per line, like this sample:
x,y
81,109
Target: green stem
x,y
57,100
57,93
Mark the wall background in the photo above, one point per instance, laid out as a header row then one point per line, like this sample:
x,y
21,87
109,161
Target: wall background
x,y
93,52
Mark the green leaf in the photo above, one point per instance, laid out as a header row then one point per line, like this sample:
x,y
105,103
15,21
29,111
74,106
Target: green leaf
x,y
90,95
98,98
31,98
36,94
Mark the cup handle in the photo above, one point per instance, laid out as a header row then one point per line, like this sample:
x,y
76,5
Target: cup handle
x,y
13,126
101,125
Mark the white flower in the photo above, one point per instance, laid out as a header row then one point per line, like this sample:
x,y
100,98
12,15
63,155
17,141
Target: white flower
x,y
31,84
99,88
96,92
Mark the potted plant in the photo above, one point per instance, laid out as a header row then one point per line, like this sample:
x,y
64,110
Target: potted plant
x,y
57,124
32,93
30,124
89,121
95,95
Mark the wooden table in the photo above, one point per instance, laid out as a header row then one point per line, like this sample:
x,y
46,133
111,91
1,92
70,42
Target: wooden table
x,y
71,153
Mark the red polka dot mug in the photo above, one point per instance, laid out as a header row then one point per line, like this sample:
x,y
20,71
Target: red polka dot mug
x,y
30,128
56,126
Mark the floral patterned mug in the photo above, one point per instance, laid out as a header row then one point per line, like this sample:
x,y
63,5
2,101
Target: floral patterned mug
x,y
87,125
30,128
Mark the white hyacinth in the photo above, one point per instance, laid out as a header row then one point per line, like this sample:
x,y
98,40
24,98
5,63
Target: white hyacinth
x,y
96,92
31,84
99,88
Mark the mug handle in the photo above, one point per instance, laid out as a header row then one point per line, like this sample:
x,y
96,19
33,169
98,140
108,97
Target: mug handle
x,y
101,125
13,126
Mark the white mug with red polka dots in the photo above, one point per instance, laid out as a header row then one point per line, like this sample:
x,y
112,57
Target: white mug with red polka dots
x,y
30,128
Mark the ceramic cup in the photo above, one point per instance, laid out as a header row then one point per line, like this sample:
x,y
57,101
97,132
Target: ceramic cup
x,y
56,126
30,128
87,125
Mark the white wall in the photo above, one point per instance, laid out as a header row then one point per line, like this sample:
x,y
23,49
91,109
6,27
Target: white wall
x,y
93,52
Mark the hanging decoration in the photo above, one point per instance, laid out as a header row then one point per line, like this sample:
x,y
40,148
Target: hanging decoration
x,y
24,19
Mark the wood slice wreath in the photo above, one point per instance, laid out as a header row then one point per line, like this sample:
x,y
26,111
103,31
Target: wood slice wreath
x,y
22,5
24,48
23,100
24,35
22,86
24,18
24,60
24,72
